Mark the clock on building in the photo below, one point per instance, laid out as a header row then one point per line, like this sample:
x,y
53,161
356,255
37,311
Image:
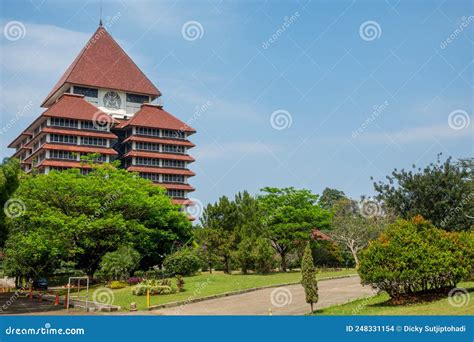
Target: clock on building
x,y
112,100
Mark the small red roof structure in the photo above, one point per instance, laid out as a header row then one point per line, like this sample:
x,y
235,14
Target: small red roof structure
x,y
102,63
318,235
155,117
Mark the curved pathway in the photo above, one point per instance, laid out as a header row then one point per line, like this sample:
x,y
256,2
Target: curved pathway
x,y
286,300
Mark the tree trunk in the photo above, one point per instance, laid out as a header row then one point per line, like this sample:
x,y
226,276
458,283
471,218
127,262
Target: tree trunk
x,y
226,264
311,307
283,262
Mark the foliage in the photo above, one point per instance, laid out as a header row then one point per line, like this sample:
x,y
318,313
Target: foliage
x,y
134,280
76,217
353,230
9,180
116,284
263,256
290,216
244,255
441,193
184,262
118,265
412,257
327,254
179,283
329,197
155,287
308,277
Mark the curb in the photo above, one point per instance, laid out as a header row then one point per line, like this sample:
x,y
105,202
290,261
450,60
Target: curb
x,y
233,293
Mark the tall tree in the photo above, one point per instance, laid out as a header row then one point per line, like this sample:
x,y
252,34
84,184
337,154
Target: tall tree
x,y
442,192
329,197
9,180
289,216
353,230
308,279
76,217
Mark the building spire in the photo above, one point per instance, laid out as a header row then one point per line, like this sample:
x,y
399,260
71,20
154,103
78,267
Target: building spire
x,y
100,21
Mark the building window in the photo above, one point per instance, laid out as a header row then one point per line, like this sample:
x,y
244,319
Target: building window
x,y
168,133
60,122
173,149
178,164
89,92
147,161
137,98
148,131
93,126
62,155
92,141
100,159
176,193
65,139
154,177
147,146
173,179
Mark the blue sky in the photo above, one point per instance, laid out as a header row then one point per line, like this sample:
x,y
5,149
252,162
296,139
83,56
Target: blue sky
x,y
367,86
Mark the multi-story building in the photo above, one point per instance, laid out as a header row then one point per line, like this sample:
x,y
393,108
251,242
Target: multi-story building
x,y
102,105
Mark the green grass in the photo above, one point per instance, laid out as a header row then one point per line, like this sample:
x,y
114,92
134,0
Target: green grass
x,y
207,284
378,305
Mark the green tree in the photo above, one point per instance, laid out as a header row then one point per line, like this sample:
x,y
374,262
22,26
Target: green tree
x,y
221,218
289,216
441,193
263,255
329,197
244,255
352,230
308,279
208,241
119,264
74,217
9,180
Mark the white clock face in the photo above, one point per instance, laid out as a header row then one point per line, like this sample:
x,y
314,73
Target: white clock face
x,y
112,100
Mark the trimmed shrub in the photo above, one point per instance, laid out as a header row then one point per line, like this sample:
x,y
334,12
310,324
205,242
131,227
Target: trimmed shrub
x,y
179,283
308,277
183,262
156,287
115,284
412,257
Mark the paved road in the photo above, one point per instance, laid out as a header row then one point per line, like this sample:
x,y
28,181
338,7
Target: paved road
x,y
287,300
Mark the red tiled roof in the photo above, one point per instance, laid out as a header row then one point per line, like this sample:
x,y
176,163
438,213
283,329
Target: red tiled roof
x,y
79,148
160,140
162,170
155,117
316,234
184,157
102,63
176,186
72,131
19,138
73,106
182,201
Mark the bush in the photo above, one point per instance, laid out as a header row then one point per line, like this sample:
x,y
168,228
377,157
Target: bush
x,y
115,284
183,262
156,287
412,257
243,257
134,280
118,265
179,283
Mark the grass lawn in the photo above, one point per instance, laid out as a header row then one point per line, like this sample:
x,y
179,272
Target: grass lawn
x,y
377,306
207,284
